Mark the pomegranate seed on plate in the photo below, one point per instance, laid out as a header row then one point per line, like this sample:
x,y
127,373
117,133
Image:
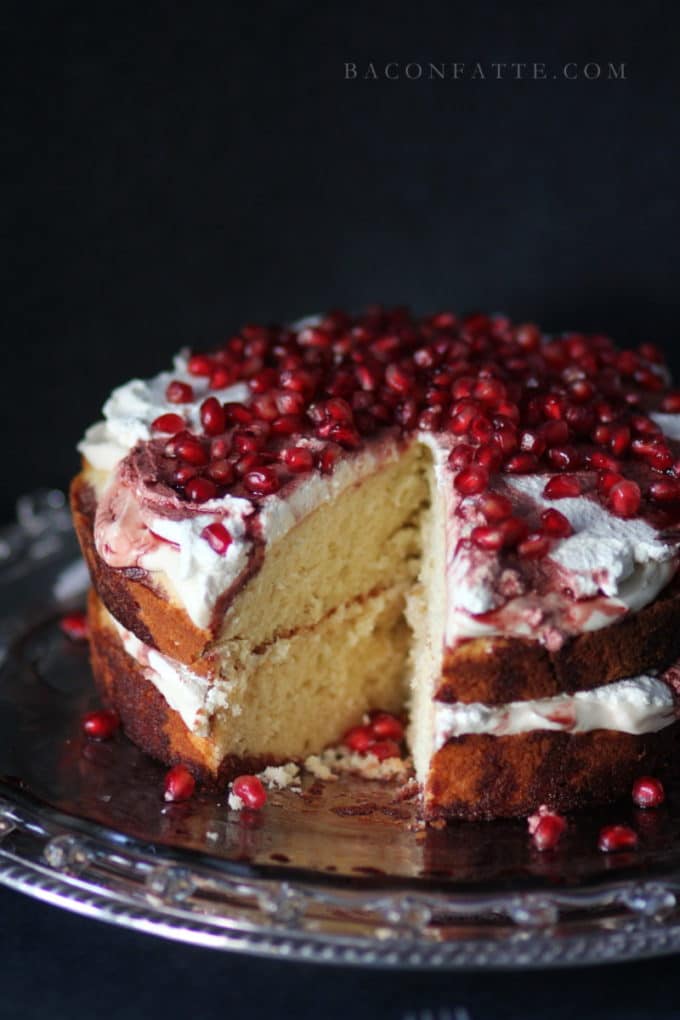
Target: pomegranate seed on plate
x,y
648,792
534,546
546,828
385,726
261,481
102,724
179,784
613,838
192,451
297,458
213,418
520,464
665,490
495,507
383,749
251,791
75,626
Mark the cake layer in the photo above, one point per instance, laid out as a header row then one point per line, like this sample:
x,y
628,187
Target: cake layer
x,y
299,694
480,776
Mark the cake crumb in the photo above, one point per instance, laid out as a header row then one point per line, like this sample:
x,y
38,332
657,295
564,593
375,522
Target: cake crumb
x,y
341,759
281,777
235,802
319,768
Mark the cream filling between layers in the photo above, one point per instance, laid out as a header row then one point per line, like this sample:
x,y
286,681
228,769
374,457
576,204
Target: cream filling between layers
x,y
195,698
642,704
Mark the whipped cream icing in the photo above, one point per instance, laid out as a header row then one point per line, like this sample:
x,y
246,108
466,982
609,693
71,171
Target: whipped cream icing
x,y
642,704
610,565
196,698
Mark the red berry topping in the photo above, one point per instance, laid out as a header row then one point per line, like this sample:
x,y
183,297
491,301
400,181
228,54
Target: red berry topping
x,y
169,423
613,838
213,417
648,792
179,784
101,725
556,524
624,498
562,487
199,490
534,546
495,507
297,459
74,626
200,364
179,392
251,791
472,480
217,537
262,481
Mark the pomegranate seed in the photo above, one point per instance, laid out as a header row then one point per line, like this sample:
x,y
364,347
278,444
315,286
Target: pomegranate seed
x,y
554,433
460,456
221,377
520,464
221,471
481,429
179,392
251,791
650,352
648,792
262,481
489,457
614,838
487,537
192,451
505,435
101,725
248,462
398,379
562,487
534,546
287,425
495,507
264,406
603,461
198,490
644,426
213,418
200,364
581,391
327,459
463,387
297,459
554,407
489,391
671,403
237,414
74,626
217,537
564,457
606,480
556,524
245,442
624,498
170,423
513,530
666,490
359,738
219,448
528,336
546,828
345,435
179,784
289,402
385,726
620,440
471,480
181,475
383,749
369,378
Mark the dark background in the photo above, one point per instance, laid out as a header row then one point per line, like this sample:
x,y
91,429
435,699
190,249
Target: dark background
x,y
171,173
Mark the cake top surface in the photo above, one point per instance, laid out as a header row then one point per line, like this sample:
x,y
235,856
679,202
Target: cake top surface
x,y
560,456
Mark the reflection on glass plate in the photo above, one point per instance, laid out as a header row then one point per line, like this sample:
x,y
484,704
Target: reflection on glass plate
x,y
339,872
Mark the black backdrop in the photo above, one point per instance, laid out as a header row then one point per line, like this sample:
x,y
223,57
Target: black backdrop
x,y
171,173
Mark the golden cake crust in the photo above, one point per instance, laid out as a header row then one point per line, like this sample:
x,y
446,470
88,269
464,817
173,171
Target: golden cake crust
x,y
479,776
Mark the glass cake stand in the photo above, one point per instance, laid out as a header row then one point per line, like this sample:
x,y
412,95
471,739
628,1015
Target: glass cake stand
x,y
337,873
